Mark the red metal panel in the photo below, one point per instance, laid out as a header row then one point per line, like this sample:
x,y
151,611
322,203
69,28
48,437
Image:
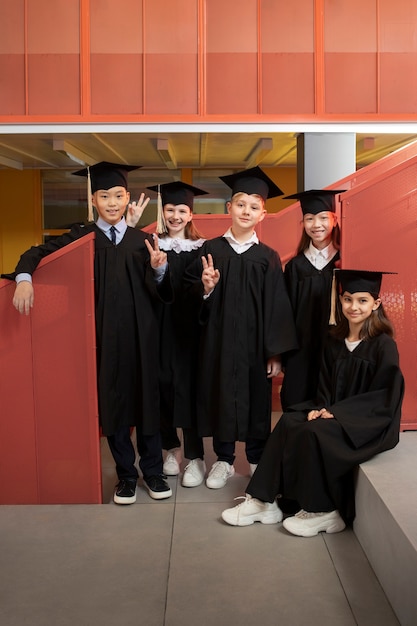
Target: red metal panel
x,y
53,27
231,26
12,81
398,84
59,361
126,69
12,27
351,26
379,232
116,26
171,84
351,82
287,26
231,83
170,26
54,84
18,468
287,83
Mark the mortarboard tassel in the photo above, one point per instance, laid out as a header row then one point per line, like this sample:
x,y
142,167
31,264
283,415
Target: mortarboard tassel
x,y
161,227
333,297
89,197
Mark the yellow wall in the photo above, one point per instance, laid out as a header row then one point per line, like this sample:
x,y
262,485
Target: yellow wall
x,y
20,215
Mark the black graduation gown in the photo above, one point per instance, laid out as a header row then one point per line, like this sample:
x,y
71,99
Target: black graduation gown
x,y
312,462
179,328
247,319
309,290
126,325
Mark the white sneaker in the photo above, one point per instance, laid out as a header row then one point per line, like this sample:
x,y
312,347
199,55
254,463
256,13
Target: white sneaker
x,y
252,468
172,462
194,473
219,473
253,510
306,524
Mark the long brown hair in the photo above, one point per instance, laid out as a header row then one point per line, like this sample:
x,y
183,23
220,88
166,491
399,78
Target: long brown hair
x,y
376,324
305,239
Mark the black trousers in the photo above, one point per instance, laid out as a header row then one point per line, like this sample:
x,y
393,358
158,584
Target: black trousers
x,y
149,449
225,450
193,444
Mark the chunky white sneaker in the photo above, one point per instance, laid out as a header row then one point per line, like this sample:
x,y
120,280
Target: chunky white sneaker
x,y
218,475
194,473
172,462
306,524
252,468
253,510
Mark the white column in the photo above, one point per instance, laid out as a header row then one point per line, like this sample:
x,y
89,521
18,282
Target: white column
x,y
324,158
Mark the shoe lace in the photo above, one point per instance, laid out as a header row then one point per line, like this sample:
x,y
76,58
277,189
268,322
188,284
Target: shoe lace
x,y
244,498
306,515
219,470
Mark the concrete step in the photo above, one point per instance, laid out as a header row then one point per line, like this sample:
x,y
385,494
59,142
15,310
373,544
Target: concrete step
x,y
386,523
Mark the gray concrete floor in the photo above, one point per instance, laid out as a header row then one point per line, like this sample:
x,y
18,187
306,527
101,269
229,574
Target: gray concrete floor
x,y
175,563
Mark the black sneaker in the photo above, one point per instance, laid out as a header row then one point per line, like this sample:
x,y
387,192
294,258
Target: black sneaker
x,y
158,487
125,492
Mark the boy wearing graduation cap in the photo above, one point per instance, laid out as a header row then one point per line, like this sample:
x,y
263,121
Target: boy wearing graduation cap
x,y
126,326
308,277
312,453
247,323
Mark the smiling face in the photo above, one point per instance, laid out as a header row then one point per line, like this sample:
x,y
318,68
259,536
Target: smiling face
x,y
111,203
357,307
319,227
246,211
177,216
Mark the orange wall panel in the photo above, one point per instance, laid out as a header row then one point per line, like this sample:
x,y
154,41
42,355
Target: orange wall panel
x,y
54,84
116,26
53,27
12,84
231,26
171,84
170,26
398,82
116,84
350,26
231,83
350,83
287,83
12,40
287,26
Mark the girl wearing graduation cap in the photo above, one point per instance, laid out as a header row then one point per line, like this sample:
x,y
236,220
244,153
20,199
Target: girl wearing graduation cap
x,y
308,277
178,323
311,455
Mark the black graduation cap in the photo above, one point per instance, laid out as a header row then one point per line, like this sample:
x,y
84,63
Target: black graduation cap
x,y
252,181
178,192
360,280
315,201
354,281
106,175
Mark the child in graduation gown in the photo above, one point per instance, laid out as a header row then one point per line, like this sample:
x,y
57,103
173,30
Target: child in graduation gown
x,y
125,288
246,325
311,454
178,326
308,277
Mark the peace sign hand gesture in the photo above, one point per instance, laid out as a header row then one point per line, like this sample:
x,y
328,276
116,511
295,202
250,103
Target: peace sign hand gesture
x,y
158,257
210,276
135,210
